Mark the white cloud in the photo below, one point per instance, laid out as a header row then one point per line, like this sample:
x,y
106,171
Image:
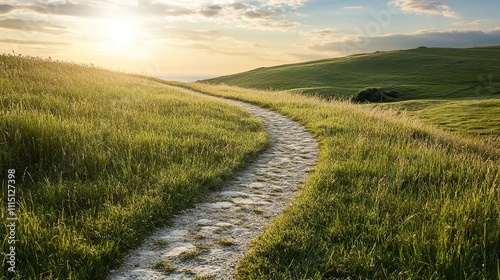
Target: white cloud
x,y
321,35
473,22
268,15
426,7
429,37
290,3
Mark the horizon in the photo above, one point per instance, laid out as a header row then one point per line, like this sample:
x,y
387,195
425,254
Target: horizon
x,y
192,40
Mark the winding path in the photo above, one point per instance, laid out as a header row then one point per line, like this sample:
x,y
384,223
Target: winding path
x,y
209,239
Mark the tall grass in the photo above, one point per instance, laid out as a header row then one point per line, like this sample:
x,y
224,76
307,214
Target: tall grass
x,y
389,198
102,158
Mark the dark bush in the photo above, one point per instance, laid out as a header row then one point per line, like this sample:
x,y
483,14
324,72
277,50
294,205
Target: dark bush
x,y
373,94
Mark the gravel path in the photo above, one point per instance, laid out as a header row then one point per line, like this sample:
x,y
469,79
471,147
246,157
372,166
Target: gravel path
x,y
207,241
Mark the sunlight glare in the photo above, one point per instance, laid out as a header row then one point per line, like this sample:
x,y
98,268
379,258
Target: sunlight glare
x,y
122,32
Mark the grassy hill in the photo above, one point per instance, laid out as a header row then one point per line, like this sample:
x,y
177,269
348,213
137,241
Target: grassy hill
x,y
97,159
100,158
457,89
418,74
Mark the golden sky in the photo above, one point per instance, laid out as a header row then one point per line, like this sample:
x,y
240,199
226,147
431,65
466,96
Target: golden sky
x,y
187,40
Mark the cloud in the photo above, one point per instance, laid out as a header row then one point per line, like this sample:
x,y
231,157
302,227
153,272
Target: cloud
x,y
32,42
191,35
295,4
354,7
271,24
425,7
325,33
238,6
268,15
325,36
261,14
211,11
65,8
430,38
271,16
216,51
33,26
146,8
4,9
474,22
258,12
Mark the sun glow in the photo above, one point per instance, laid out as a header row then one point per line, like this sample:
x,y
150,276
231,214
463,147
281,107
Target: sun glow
x,y
121,32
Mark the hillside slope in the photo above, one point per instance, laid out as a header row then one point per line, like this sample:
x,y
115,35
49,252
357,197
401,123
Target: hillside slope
x,y
389,198
97,159
416,74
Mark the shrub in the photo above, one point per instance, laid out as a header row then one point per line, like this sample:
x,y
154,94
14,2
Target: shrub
x,y
374,94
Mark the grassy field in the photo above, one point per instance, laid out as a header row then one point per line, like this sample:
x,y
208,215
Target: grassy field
x,y
456,89
101,158
390,197
477,117
417,74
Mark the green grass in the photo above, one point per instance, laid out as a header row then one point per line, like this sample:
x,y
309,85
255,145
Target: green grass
x,y
101,158
225,242
164,267
188,255
456,89
390,197
479,117
417,74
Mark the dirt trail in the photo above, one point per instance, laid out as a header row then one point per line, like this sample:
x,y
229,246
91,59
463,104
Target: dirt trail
x,y
209,239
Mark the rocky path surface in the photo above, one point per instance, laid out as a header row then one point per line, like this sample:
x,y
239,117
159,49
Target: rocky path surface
x,y
205,242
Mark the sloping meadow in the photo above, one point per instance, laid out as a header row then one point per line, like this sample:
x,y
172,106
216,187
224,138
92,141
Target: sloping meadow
x,y
389,198
100,158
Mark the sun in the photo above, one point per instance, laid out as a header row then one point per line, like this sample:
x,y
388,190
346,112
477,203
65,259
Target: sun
x,y
121,32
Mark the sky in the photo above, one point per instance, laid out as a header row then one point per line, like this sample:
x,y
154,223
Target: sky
x,y
195,39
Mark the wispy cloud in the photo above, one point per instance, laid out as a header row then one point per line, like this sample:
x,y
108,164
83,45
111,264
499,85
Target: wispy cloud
x,y
354,7
33,26
426,7
430,38
34,42
269,14
290,3
321,35
473,22
190,35
4,9
147,8
65,8
319,38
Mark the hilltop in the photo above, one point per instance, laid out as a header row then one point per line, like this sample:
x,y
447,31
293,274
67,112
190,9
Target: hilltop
x,y
420,73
